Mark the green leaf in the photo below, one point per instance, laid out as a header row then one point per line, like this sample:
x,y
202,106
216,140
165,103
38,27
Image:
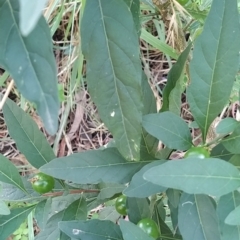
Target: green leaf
x,y
108,190
93,167
10,223
196,176
9,173
132,232
109,213
141,188
226,204
173,196
164,230
75,211
158,44
114,71
137,209
30,12
197,218
233,217
51,230
219,151
4,210
12,193
227,125
175,97
42,211
92,229
232,142
149,143
31,63
214,64
174,76
169,128
29,139
134,7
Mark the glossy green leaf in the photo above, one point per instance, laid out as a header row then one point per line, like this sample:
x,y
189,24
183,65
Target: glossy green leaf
x,y
227,125
92,229
226,204
134,7
141,188
132,232
114,71
149,143
196,176
233,217
197,218
169,128
29,139
4,210
9,173
232,142
41,213
108,190
10,223
30,12
137,209
30,61
93,167
174,76
214,64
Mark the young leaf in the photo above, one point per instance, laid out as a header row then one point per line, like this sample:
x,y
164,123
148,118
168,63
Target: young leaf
x,y
214,64
9,174
114,71
132,232
197,218
169,128
10,223
93,167
30,61
174,77
226,204
227,125
29,139
137,209
196,176
232,142
92,229
141,188
30,12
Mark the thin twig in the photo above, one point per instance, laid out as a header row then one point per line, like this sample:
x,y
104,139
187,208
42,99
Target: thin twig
x,y
6,94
